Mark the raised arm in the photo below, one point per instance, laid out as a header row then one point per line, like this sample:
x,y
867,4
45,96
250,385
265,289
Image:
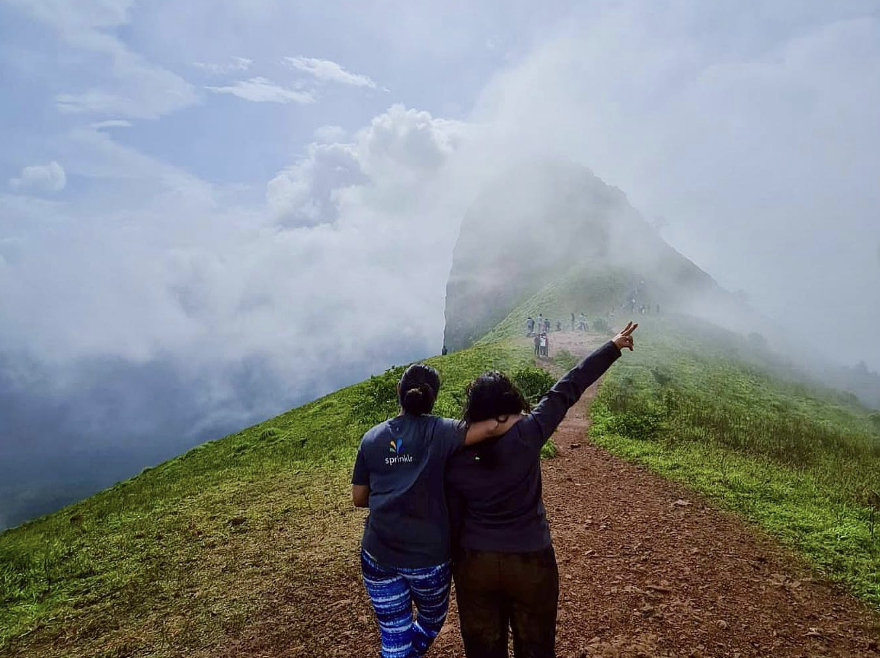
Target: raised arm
x,y
486,429
550,411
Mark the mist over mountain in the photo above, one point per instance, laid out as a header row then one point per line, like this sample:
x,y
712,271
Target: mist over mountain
x,y
553,222
543,220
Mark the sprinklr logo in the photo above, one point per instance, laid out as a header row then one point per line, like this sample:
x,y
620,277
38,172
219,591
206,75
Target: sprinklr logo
x,y
397,450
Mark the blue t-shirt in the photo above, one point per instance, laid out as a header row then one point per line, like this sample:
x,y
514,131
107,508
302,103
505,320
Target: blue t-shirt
x,y
403,461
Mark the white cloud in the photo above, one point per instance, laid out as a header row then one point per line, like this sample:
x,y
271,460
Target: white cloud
x,y
112,123
329,134
48,179
757,141
305,193
400,149
263,90
175,270
329,71
135,87
237,64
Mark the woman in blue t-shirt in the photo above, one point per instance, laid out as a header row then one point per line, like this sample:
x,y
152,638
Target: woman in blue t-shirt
x,y
505,568
399,474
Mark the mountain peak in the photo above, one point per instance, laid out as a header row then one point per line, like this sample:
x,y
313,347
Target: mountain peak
x,y
553,220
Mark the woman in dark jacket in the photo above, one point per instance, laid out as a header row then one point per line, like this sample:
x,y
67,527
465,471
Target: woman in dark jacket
x,y
505,568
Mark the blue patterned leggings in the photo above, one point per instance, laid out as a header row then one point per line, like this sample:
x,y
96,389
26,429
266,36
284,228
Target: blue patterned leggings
x,y
393,591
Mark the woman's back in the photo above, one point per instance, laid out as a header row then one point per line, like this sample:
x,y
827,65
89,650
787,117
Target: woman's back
x,y
404,461
495,491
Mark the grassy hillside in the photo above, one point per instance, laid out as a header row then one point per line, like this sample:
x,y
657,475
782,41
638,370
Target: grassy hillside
x,y
186,555
801,461
592,292
182,555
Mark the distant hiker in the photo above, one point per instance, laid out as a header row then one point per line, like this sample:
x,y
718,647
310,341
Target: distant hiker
x,y
545,344
540,325
537,344
530,326
582,322
547,325
559,325
572,321
505,567
405,549
444,351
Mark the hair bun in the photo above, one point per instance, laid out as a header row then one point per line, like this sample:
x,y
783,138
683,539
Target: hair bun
x,y
418,389
415,394
418,399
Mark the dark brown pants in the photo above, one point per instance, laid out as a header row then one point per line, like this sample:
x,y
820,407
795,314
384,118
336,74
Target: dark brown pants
x,y
497,591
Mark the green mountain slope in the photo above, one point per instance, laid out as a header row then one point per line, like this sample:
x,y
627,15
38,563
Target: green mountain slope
x,y
184,557
183,553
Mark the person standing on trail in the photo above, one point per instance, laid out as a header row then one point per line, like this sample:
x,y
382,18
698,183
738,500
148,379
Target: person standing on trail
x,y
545,342
537,344
572,321
539,327
530,326
582,322
504,564
399,475
559,325
546,327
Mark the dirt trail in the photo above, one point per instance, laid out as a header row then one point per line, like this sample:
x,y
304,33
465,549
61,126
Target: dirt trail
x,y
647,568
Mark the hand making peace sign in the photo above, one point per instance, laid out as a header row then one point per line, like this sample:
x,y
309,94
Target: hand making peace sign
x,y
624,338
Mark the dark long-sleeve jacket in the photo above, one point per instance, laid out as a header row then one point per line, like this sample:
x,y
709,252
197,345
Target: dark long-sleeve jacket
x,y
494,489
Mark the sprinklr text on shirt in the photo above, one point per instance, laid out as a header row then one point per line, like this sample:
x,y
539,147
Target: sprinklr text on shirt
x,y
391,461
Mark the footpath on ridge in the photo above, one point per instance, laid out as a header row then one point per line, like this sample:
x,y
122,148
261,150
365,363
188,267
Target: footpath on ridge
x,y
648,568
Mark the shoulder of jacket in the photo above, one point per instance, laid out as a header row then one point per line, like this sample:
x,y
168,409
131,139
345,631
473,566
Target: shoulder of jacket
x,y
375,432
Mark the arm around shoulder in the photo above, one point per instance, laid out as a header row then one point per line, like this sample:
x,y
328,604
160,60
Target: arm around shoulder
x,y
487,429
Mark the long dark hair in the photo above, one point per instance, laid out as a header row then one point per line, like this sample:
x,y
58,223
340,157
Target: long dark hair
x,y
418,389
493,395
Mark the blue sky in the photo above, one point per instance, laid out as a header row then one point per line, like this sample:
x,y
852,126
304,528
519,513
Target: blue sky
x,y
256,202
164,58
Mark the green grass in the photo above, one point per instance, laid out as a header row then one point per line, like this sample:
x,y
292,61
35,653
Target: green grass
x,y
567,295
802,462
178,556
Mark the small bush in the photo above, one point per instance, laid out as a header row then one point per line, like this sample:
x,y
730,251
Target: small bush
x,y
549,450
533,383
378,397
269,432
